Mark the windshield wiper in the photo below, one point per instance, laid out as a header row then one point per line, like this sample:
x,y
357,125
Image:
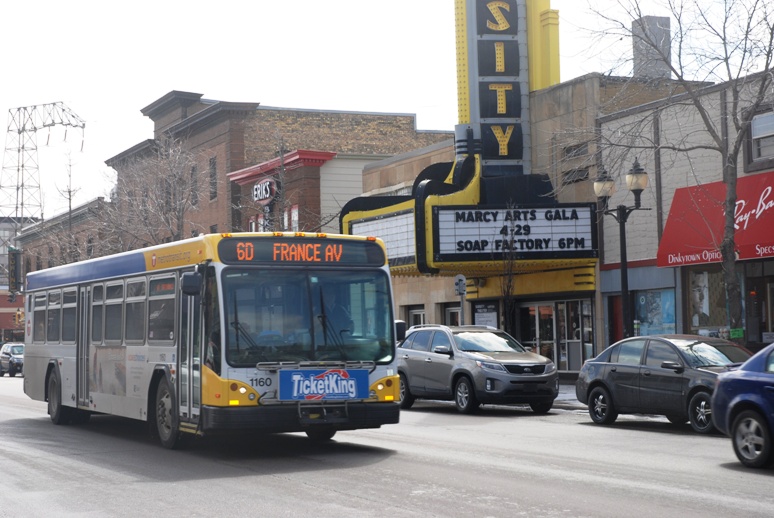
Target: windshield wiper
x,y
328,331
240,330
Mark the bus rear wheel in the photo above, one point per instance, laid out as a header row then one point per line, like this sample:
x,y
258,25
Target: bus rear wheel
x,y
58,413
165,416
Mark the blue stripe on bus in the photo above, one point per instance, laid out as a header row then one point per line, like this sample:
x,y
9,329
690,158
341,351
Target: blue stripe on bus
x,y
87,271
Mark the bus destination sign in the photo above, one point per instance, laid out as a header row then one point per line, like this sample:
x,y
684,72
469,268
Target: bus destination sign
x,y
300,250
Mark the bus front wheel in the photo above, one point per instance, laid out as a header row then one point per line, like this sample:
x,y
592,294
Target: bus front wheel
x,y
165,416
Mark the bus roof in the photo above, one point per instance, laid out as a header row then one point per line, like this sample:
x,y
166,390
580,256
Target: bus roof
x,y
155,258
179,253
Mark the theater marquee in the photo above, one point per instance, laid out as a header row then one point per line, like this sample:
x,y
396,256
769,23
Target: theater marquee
x,y
486,233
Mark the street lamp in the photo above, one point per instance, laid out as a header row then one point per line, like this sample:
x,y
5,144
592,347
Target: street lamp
x,y
604,187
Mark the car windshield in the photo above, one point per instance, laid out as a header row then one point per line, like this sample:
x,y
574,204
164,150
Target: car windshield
x,y
708,353
17,349
486,341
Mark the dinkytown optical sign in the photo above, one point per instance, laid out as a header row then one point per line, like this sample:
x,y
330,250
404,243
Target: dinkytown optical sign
x,y
694,228
528,232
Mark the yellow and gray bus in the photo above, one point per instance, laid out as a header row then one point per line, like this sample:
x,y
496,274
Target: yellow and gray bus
x,y
219,334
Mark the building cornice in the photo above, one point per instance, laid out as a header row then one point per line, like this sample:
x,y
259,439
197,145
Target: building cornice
x,y
291,160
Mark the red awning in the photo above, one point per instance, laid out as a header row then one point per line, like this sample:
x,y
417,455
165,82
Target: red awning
x,y
694,228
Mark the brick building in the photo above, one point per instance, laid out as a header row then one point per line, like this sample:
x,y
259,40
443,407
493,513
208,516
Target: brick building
x,y
65,238
323,156
227,137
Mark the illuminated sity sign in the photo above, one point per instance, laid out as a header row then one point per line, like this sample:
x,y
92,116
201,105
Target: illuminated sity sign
x,y
499,83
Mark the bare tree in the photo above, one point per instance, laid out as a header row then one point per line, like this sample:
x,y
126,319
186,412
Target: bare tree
x,y
153,195
712,41
507,277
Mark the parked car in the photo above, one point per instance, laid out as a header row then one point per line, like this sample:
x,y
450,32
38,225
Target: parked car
x,y
743,408
670,375
473,365
11,359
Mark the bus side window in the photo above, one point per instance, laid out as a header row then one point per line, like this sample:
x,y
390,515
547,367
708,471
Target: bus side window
x,y
161,310
114,306
39,314
54,315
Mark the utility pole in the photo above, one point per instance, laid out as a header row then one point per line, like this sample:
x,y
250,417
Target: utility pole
x,y
20,198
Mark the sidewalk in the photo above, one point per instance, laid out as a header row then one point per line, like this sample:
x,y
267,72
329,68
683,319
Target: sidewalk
x,y
566,398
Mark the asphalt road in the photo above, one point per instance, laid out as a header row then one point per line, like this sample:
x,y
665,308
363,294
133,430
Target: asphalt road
x,y
502,462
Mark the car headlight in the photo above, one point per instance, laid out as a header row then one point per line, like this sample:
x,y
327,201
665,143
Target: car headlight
x,y
492,366
550,367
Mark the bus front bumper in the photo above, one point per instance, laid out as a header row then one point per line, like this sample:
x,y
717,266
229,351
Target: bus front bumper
x,y
298,417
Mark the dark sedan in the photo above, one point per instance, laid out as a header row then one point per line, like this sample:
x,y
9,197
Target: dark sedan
x,y
670,375
11,359
743,408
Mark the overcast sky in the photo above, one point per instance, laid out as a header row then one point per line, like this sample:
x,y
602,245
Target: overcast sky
x,y
107,60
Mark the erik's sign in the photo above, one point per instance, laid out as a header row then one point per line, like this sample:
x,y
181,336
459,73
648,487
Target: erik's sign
x,y
265,191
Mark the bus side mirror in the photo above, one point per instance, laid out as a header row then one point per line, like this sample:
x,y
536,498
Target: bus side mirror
x,y
191,283
400,330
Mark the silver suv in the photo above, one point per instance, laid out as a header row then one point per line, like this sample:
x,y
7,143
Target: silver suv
x,y
473,365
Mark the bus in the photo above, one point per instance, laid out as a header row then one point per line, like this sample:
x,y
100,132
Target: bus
x,y
218,334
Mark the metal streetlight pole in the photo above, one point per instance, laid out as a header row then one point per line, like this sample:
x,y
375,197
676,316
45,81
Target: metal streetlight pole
x,y
604,187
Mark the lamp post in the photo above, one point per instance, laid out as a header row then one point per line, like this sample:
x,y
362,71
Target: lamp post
x,y
604,187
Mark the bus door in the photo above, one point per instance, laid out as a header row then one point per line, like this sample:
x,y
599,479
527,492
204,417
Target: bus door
x,y
190,358
82,345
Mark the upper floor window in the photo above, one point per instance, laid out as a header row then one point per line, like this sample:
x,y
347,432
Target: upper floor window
x,y
576,150
213,178
762,131
194,187
759,145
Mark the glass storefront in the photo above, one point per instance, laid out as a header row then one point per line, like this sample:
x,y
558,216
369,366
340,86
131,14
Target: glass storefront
x,y
560,330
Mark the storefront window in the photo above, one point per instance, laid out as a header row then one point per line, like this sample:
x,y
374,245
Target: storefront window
x,y
655,310
706,303
485,314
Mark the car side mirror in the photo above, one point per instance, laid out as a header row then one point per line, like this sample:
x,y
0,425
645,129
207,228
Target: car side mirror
x,y
675,366
442,349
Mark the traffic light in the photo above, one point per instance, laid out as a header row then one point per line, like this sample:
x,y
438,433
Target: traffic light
x,y
19,317
14,270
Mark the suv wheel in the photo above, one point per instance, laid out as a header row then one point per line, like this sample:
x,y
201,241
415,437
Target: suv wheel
x,y
406,399
541,408
465,396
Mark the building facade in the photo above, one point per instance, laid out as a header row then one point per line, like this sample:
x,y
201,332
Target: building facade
x,y
675,274
226,137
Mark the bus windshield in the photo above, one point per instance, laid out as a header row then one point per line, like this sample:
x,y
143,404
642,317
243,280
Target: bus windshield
x,y
307,315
